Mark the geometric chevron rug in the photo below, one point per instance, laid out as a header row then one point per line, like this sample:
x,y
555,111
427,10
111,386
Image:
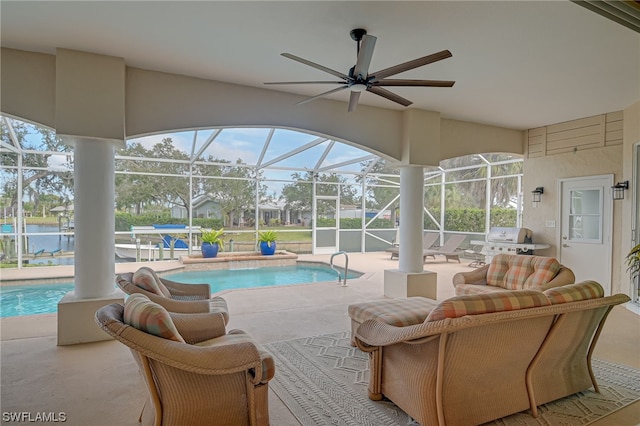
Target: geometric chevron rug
x,y
323,381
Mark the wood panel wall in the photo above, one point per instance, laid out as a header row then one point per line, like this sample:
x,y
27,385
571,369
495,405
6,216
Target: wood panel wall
x,y
586,133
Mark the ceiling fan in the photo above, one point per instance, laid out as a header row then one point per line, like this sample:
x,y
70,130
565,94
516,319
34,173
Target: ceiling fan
x,y
359,79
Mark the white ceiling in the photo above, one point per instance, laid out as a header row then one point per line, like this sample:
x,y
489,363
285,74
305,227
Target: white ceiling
x,y
518,64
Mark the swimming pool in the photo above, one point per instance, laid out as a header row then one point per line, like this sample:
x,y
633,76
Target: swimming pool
x,y
43,299
230,279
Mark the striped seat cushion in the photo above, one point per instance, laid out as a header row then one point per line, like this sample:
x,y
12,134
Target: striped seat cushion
x,y
476,304
463,289
398,312
575,292
148,316
147,279
518,272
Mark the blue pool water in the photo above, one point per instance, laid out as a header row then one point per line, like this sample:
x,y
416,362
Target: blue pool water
x,y
43,299
258,277
31,299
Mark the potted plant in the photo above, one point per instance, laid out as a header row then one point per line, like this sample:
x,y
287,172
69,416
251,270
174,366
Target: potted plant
x,y
267,240
211,242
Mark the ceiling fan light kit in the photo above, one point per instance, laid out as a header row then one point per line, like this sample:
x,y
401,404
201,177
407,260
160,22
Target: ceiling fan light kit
x,y
359,79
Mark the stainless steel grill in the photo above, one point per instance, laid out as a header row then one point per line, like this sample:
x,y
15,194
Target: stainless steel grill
x,y
508,240
510,235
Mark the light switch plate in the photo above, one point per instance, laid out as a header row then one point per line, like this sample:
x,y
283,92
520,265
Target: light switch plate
x,y
551,224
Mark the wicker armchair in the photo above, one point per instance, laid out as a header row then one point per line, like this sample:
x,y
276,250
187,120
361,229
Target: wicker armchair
x,y
184,298
213,378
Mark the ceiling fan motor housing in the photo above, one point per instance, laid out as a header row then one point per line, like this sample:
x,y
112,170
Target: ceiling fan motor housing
x,y
358,33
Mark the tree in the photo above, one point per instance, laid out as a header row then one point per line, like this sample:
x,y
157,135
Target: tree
x,y
298,194
233,187
380,192
472,194
141,188
42,172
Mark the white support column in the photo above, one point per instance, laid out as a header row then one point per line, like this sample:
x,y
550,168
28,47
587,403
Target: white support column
x,y
94,219
94,244
410,279
411,218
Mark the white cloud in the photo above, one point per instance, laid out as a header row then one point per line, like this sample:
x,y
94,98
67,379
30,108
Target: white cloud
x,y
58,163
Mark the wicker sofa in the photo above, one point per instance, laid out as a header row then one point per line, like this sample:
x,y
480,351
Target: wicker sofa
x,y
514,272
525,346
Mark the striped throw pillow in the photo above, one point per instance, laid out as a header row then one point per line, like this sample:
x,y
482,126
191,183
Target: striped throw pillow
x,y
497,269
575,292
147,279
544,270
476,304
147,316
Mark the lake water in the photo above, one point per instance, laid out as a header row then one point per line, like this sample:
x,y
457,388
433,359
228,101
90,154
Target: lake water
x,y
49,243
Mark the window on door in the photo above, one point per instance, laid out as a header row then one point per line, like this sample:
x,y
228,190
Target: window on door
x,y
585,216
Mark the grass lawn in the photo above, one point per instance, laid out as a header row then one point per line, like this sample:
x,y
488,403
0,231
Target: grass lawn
x,y
53,220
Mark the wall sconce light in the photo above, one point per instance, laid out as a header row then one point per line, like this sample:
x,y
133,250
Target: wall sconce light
x,y
536,194
618,190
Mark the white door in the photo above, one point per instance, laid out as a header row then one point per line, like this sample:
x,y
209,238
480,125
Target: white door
x,y
586,224
326,228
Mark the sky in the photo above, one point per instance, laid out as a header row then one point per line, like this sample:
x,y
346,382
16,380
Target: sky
x,y
247,143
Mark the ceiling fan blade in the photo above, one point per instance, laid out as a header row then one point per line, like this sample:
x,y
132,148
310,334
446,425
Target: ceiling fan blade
x,y
353,101
304,101
389,95
364,57
305,82
316,66
406,66
419,83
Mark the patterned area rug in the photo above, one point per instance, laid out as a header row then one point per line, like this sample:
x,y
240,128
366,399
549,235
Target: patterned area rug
x,y
323,381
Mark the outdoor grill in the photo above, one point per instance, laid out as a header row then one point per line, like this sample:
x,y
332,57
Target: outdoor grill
x,y
510,241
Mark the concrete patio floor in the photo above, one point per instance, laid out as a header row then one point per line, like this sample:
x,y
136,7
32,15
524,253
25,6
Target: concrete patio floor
x,y
98,383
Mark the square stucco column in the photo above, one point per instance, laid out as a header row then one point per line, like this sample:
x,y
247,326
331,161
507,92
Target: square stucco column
x,y
76,322
398,284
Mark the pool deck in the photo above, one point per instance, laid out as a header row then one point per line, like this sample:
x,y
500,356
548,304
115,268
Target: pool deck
x,y
92,382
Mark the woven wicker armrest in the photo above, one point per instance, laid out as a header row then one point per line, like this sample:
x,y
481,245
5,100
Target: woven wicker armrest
x,y
374,333
477,276
563,277
198,327
267,366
